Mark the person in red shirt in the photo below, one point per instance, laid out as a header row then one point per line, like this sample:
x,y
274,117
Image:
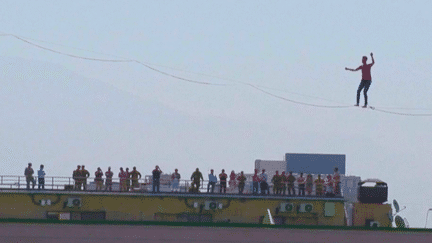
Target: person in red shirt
x,y
366,79
255,182
232,181
223,180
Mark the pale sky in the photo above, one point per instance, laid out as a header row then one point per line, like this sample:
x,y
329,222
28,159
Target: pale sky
x,y
62,111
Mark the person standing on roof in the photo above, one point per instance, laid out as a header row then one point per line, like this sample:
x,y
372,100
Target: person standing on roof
x,y
366,79
28,172
255,182
108,182
241,179
212,181
284,182
156,178
123,177
291,179
309,184
98,179
196,178
277,183
175,177
301,181
232,182
84,175
128,181
135,176
263,183
41,178
223,180
319,183
336,180
76,175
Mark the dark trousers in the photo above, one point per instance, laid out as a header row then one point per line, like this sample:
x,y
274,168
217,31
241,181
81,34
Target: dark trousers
x,y
364,84
241,188
156,184
222,186
41,183
291,190
264,188
212,185
255,187
301,189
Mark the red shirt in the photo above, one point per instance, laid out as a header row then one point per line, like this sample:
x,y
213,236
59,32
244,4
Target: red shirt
x,y
255,178
301,180
123,175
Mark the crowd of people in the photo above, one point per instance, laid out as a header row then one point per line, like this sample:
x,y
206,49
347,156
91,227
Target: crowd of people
x,y
282,184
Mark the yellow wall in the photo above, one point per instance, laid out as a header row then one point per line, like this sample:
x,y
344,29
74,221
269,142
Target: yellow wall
x,y
137,207
372,211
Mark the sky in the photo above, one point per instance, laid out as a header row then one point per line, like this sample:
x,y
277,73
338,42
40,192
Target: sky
x,y
63,111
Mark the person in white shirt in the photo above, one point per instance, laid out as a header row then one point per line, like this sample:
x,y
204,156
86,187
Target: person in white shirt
x,y
212,182
41,178
264,184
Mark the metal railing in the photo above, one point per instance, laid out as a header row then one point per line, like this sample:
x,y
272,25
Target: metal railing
x,y
9,182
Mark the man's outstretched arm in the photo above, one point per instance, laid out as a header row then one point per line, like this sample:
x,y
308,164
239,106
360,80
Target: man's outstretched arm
x,y
353,70
373,61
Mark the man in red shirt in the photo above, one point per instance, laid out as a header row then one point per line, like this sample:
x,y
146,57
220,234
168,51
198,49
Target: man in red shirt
x,y
366,79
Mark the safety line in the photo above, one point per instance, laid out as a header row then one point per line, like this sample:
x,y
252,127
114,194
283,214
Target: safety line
x,y
397,113
115,61
297,102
